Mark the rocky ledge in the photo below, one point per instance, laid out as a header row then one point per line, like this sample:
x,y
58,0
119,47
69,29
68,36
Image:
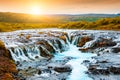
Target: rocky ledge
x,y
8,69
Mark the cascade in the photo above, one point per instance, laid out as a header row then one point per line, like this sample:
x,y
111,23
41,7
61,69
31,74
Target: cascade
x,y
46,50
47,44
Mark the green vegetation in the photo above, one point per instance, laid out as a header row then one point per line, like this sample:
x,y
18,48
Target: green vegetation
x,y
102,24
27,18
15,21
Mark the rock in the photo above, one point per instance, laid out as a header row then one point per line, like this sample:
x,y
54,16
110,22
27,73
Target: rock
x,y
106,64
63,38
116,49
7,66
92,67
39,72
28,36
43,53
36,57
95,69
104,61
104,43
62,69
7,76
86,61
46,45
115,69
83,40
84,49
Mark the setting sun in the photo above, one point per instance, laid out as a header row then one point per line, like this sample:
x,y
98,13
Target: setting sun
x,y
35,10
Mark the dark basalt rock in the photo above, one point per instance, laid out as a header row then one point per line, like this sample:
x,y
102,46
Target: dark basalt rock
x,y
115,69
39,72
62,69
86,61
105,65
107,70
116,49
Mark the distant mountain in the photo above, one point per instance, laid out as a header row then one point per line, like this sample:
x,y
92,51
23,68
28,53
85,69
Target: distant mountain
x,y
99,15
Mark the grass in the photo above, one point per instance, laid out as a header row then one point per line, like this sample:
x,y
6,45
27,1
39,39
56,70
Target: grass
x,y
100,24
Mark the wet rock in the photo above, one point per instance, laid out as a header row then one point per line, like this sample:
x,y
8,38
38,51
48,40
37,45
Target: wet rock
x,y
115,69
36,57
39,72
104,61
116,49
103,43
86,61
84,49
63,38
105,64
83,40
46,45
95,69
43,53
62,69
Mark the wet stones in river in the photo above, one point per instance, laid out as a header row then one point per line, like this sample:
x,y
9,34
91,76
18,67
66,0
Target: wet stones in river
x,y
61,69
86,61
104,70
116,49
83,40
102,42
105,65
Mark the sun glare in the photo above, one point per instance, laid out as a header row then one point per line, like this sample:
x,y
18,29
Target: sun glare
x,y
35,11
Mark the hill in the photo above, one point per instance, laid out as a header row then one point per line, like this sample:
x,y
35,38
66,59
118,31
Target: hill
x,y
17,21
58,18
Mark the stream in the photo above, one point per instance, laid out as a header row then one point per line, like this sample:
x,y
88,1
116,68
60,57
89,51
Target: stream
x,y
54,54
79,69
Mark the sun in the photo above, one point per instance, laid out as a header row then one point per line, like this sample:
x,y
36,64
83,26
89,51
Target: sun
x,y
35,10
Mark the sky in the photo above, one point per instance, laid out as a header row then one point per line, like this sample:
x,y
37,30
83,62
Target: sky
x,y
60,6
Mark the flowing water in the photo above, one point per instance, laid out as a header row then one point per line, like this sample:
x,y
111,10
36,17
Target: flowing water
x,y
79,69
27,51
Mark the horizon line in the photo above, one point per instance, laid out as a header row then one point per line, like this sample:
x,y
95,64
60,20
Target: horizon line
x,y
59,13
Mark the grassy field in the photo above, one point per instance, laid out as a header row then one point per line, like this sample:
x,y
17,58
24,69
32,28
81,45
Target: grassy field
x,y
11,22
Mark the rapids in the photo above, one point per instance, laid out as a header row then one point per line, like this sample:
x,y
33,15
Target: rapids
x,y
79,69
32,47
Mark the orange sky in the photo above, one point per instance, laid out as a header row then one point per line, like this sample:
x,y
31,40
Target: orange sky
x,y
61,6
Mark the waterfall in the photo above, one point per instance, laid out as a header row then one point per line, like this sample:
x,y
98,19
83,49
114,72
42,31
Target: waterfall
x,y
41,45
45,46
39,48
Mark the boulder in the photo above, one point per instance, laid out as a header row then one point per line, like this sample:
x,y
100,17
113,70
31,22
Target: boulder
x,y
43,53
104,43
62,69
95,69
83,40
116,49
115,69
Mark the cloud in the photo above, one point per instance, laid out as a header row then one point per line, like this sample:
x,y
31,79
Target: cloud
x,y
62,6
